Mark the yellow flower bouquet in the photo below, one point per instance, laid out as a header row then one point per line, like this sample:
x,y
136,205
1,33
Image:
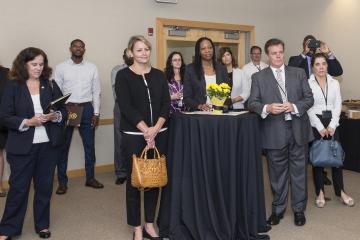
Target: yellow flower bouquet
x,y
218,93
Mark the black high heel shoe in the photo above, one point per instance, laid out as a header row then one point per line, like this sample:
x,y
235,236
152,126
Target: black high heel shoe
x,y
146,235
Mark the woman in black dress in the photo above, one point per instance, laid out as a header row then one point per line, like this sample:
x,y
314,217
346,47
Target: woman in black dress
x,y
3,130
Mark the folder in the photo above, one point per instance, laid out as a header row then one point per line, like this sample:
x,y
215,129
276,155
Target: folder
x,y
57,103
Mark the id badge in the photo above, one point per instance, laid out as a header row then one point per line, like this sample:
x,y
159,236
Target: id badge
x,y
326,114
288,117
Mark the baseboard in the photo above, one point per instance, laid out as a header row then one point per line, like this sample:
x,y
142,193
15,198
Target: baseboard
x,y
78,173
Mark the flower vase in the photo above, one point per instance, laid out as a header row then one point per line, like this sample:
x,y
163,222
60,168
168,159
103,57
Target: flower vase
x,y
217,104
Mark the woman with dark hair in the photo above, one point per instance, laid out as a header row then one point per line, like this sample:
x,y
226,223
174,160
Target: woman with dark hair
x,y
324,118
240,90
3,130
200,74
34,140
175,70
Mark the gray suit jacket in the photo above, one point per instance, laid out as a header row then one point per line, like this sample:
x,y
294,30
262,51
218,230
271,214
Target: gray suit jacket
x,y
195,88
264,90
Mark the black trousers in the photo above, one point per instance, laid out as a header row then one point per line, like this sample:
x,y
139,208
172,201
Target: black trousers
x,y
337,178
318,175
287,166
39,166
134,144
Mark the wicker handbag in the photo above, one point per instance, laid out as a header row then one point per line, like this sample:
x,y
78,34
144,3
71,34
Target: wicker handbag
x,y
149,173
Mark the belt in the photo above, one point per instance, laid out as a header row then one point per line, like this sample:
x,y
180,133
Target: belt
x,y
77,104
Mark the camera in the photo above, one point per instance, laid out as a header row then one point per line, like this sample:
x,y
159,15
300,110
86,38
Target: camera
x,y
313,44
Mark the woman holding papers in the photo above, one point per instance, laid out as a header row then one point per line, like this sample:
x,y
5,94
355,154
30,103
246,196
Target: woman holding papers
x,y
34,140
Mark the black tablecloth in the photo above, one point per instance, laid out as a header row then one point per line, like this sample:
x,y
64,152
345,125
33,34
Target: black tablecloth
x,y
349,130
215,189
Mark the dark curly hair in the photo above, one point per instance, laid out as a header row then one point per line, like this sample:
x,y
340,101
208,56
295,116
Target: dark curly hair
x,y
19,71
197,60
224,50
169,70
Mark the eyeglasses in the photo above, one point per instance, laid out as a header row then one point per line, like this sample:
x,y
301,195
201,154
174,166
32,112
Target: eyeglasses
x,y
255,53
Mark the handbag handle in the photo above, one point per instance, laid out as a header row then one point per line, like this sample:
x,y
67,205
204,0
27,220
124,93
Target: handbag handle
x,y
144,153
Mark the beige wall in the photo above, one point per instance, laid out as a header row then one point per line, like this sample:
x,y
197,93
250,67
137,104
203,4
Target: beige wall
x,y
106,25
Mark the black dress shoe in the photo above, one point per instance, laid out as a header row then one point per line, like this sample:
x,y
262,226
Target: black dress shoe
x,y
267,228
44,234
299,218
262,237
62,189
120,180
94,183
274,219
146,235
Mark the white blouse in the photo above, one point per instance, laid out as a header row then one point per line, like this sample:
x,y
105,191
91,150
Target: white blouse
x,y
40,135
333,102
241,87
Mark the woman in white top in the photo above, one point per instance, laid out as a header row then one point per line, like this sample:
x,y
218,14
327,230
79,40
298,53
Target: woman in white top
x,y
34,141
324,118
240,89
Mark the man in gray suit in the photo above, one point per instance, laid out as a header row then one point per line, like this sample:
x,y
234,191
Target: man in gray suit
x,y
281,96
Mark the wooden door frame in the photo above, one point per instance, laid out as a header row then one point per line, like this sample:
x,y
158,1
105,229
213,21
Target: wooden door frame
x,y
161,40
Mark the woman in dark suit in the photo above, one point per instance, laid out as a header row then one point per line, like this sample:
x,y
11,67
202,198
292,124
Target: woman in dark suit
x,y
33,141
144,101
3,130
200,74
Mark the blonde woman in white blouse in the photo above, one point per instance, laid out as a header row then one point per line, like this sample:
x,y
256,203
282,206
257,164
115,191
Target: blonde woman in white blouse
x,y
324,118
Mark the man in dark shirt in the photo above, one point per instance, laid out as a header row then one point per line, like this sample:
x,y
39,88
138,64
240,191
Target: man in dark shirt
x,y
304,59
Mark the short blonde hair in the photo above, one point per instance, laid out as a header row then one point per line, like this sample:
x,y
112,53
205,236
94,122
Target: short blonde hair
x,y
138,38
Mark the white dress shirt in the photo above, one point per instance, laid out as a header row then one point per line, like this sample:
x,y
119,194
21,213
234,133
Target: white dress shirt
x,y
250,68
81,80
40,135
241,87
333,102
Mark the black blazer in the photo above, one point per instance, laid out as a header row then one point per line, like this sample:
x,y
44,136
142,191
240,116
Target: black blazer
x,y
133,99
195,88
334,66
17,105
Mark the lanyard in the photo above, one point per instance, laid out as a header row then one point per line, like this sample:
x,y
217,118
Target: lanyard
x,y
258,67
326,91
283,90
149,97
